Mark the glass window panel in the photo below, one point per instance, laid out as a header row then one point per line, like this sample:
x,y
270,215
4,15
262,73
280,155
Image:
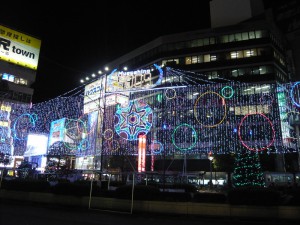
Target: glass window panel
x,y
194,43
237,110
233,55
264,33
258,34
244,110
240,54
206,41
269,69
231,38
194,59
213,57
200,42
188,60
251,35
234,73
212,40
266,109
252,109
224,39
241,72
200,58
259,108
238,36
207,58
248,71
245,36
255,71
214,74
262,70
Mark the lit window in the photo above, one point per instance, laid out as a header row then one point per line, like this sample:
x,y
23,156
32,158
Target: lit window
x,y
23,81
5,76
194,59
11,78
207,58
234,55
188,60
213,58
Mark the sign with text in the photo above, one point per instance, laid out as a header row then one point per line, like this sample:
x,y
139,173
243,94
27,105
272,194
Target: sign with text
x,y
19,48
93,96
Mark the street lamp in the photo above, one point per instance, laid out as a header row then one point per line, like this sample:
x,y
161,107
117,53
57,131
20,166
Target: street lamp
x,y
210,157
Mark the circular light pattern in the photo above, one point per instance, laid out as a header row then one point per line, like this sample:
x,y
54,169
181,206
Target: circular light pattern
x,y
266,99
134,120
22,125
187,137
108,134
83,127
209,110
84,144
72,132
225,90
156,147
253,133
292,94
170,93
161,74
177,102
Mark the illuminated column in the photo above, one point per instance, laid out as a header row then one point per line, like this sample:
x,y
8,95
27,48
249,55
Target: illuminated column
x,y
152,161
142,153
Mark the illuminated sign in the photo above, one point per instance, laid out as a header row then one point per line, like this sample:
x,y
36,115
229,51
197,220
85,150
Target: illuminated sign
x,y
93,96
121,81
116,99
6,108
3,123
19,48
57,131
36,145
142,153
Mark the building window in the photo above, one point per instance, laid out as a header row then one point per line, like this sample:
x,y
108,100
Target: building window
x,y
224,39
245,36
213,57
206,41
207,58
251,35
234,73
188,60
237,37
194,59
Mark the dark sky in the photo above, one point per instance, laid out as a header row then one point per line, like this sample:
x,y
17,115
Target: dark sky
x,y
79,38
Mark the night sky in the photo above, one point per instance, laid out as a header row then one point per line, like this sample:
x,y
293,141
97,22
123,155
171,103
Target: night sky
x,y
78,39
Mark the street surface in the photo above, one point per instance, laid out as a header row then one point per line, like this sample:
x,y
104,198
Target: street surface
x,y
22,213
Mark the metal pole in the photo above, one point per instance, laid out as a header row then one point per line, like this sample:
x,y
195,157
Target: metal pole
x,y
91,190
2,172
210,185
132,193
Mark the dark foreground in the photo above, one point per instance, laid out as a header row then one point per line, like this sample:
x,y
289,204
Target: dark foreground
x,y
24,213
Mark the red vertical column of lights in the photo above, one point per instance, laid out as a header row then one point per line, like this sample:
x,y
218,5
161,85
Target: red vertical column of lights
x,y
142,153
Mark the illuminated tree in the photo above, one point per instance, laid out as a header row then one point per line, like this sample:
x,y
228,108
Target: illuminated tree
x,y
247,170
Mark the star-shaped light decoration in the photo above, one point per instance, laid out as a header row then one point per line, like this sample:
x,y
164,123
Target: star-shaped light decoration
x,y
133,120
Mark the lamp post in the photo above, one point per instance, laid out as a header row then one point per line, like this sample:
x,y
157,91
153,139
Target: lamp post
x,y
210,157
